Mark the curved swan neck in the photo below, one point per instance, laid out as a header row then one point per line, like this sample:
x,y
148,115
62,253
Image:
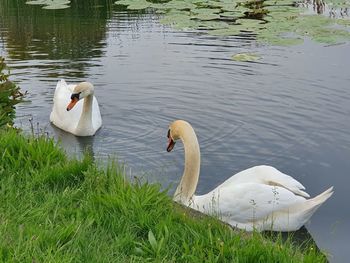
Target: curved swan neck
x,y
85,121
189,181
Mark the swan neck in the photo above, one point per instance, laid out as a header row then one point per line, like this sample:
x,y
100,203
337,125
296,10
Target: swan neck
x,y
189,181
85,121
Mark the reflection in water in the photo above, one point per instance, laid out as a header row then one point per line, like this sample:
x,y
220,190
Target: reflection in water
x,y
70,142
325,8
64,39
318,6
290,110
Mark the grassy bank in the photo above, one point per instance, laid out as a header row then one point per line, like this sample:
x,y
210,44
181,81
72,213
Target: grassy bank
x,y
54,209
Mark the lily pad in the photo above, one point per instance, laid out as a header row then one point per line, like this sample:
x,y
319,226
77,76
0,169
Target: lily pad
x,y
179,5
270,21
343,22
245,57
230,7
212,25
51,4
279,41
250,24
231,14
139,5
229,31
124,2
205,11
56,7
339,3
172,18
279,2
37,2
205,17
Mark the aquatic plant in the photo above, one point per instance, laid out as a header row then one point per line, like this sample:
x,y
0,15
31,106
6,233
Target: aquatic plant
x,y
10,95
271,21
50,4
245,57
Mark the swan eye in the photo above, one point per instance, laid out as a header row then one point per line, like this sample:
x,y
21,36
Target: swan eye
x,y
75,96
168,133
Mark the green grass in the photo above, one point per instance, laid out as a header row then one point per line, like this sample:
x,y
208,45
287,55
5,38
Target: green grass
x,y
55,209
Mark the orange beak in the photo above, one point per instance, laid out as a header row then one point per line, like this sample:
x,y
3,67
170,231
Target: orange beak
x,y
72,104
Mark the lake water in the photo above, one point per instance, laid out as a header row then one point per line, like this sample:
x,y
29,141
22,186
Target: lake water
x,y
290,109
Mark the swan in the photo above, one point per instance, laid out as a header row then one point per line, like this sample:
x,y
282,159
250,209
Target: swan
x,y
75,109
259,198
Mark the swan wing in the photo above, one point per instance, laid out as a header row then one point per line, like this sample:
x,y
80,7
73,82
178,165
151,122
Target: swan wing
x,y
59,115
267,175
250,205
252,201
96,115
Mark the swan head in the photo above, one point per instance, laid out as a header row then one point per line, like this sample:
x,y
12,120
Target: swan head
x,y
175,132
82,90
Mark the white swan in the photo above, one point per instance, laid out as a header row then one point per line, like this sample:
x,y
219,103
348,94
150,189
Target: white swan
x,y
260,197
82,120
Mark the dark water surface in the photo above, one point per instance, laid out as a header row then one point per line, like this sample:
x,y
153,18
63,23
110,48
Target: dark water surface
x,y
290,110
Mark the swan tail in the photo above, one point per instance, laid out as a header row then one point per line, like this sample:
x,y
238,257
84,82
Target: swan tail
x,y
320,199
305,210
298,214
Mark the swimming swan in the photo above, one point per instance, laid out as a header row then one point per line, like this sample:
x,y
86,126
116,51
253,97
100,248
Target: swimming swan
x,y
260,198
82,120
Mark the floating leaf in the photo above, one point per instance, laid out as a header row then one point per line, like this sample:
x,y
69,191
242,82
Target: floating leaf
x,y
206,11
37,2
179,5
173,18
186,24
250,24
230,7
214,4
269,20
245,57
139,5
124,2
205,17
233,15
51,4
279,41
343,22
339,3
212,25
56,6
279,2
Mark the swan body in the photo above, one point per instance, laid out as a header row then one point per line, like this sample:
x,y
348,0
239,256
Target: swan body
x,y
260,198
75,109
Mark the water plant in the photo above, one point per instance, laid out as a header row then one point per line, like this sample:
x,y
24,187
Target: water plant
x,y
277,22
50,4
246,57
272,21
10,95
